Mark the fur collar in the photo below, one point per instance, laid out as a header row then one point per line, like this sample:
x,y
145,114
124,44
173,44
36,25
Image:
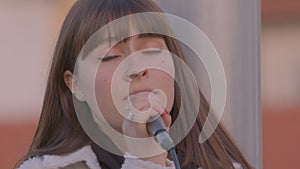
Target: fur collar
x,y
84,154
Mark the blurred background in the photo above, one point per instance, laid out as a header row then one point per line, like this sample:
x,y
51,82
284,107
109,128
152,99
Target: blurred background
x,y
280,69
30,28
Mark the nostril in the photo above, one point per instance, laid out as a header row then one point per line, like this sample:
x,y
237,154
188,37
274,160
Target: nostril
x,y
132,76
144,73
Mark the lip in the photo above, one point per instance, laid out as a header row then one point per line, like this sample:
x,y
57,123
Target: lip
x,y
139,91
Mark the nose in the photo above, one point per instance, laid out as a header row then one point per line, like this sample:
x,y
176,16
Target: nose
x,y
135,62
132,74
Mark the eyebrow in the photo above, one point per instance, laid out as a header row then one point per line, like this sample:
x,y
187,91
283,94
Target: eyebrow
x,y
140,36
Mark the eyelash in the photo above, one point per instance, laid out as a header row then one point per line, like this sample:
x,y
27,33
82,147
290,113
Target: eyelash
x,y
152,51
149,51
107,58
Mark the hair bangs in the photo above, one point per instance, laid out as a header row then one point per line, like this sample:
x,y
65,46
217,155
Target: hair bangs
x,y
124,19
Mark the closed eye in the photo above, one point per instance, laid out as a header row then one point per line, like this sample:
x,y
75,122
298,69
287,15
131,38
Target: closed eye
x,y
152,51
107,58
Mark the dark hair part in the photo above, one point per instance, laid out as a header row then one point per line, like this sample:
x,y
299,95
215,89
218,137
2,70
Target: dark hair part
x,y
59,129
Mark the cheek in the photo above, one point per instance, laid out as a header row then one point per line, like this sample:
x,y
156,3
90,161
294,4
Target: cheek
x,y
102,82
165,82
102,88
104,79
105,102
169,86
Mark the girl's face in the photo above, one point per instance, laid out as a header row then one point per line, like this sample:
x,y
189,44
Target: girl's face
x,y
129,73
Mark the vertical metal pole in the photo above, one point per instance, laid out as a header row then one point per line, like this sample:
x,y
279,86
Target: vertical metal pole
x,y
233,26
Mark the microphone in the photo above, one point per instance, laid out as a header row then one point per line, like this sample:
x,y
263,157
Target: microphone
x,y
157,128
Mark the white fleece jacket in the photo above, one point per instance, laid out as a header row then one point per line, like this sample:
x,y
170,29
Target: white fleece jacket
x,y
87,155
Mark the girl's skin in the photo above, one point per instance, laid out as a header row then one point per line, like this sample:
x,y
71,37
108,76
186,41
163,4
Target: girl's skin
x,y
148,87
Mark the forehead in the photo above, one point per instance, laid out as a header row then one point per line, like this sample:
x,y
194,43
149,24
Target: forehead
x,y
144,25
111,41
121,30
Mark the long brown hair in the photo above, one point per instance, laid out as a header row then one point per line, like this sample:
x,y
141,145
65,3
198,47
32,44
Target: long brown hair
x,y
59,129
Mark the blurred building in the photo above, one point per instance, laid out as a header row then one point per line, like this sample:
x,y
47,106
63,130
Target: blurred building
x,y
28,31
280,39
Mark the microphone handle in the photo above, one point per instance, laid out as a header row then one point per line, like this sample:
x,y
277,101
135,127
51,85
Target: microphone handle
x,y
156,125
157,128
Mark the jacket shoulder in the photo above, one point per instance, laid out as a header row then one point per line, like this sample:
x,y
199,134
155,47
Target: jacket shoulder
x,y
32,163
83,158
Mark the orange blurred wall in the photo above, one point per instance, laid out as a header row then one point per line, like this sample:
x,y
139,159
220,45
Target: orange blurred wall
x,y
280,83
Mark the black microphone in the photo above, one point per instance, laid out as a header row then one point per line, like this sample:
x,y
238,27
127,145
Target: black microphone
x,y
156,127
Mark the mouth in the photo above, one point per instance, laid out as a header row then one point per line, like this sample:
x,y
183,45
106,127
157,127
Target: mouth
x,y
142,91
139,91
